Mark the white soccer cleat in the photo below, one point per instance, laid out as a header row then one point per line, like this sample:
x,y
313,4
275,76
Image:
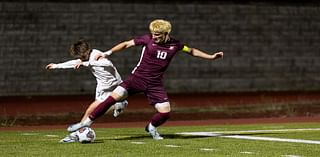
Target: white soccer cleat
x,y
77,126
153,132
119,108
69,139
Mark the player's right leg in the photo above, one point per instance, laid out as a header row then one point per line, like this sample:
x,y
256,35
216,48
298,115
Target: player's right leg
x,y
97,112
91,107
118,94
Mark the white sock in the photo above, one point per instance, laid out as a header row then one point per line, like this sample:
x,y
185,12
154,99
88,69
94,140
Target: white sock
x,y
151,127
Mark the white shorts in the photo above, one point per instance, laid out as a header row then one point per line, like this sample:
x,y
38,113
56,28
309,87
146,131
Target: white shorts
x,y
102,95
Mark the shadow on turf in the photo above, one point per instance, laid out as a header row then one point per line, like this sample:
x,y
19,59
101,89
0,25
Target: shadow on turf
x,y
98,141
178,136
165,136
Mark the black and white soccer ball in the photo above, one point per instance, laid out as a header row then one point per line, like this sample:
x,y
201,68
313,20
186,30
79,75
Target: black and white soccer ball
x,y
86,135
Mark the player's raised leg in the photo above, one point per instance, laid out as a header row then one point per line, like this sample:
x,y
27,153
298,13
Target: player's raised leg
x,y
97,112
118,94
91,107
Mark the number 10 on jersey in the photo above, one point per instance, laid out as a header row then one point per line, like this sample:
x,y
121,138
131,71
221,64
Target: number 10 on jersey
x,y
161,54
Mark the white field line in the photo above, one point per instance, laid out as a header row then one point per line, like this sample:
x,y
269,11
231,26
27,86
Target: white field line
x,y
172,146
290,156
135,142
51,135
264,131
208,149
272,139
29,134
246,152
220,134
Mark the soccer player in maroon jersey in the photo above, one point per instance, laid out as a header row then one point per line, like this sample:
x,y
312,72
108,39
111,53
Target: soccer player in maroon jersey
x,y
158,50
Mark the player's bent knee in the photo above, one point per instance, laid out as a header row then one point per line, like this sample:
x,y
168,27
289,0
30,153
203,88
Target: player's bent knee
x,y
163,107
119,93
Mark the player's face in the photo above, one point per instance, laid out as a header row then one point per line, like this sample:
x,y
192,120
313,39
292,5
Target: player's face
x,y
158,37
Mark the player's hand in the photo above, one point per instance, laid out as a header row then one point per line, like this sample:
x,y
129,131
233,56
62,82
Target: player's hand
x,y
217,55
77,66
50,66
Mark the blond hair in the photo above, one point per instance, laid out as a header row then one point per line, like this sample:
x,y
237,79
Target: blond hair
x,y
160,26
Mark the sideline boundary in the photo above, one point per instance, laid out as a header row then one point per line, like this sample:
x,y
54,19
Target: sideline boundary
x,y
221,134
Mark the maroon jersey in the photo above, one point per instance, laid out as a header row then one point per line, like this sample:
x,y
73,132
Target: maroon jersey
x,y
155,57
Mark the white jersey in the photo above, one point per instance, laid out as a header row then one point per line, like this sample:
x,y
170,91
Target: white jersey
x,y
104,71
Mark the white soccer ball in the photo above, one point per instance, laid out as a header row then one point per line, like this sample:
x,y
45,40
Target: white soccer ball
x,y
86,135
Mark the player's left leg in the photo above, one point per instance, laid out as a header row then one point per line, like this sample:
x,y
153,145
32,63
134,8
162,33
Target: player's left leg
x,y
157,96
158,119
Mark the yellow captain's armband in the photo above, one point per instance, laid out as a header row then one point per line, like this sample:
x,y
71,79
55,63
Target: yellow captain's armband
x,y
186,49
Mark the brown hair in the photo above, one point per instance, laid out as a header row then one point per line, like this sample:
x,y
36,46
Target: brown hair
x,y
80,49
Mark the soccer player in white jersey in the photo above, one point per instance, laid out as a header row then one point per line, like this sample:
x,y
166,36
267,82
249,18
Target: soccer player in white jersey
x,y
105,72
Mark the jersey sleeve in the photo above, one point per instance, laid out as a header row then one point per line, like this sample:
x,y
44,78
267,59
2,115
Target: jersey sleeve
x,y
68,64
142,40
102,62
86,63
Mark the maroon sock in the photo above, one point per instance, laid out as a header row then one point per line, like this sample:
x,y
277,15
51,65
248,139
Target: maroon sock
x,y
102,108
159,118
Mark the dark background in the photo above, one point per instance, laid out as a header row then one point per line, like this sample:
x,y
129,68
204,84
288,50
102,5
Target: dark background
x,y
268,45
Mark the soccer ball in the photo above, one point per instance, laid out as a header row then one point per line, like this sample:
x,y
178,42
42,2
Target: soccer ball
x,y
86,135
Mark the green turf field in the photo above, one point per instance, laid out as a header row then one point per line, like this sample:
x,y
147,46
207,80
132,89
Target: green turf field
x,y
268,140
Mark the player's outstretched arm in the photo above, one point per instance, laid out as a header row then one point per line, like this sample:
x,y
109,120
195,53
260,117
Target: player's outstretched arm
x,y
123,45
116,48
64,65
198,53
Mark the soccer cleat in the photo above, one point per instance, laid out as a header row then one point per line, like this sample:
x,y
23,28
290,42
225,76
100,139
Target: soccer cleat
x,y
77,126
68,139
153,132
119,108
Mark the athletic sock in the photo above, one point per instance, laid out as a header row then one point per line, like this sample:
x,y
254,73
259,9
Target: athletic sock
x,y
150,126
159,118
102,108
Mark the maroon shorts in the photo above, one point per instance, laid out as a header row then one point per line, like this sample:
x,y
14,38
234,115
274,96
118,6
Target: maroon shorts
x,y
154,90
